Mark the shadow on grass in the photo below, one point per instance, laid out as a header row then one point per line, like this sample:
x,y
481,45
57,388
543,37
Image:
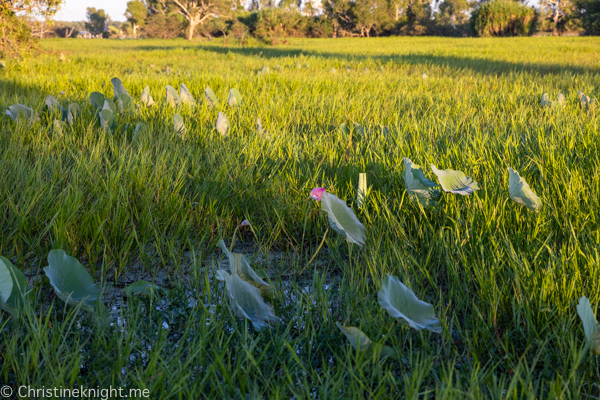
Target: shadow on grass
x,y
477,65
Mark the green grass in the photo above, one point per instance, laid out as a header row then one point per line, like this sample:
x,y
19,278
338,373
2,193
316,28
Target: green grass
x,y
504,281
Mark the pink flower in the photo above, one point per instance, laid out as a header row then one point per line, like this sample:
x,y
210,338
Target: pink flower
x,y
317,193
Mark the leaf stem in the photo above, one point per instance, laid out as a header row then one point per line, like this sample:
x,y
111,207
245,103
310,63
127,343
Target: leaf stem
x,y
316,252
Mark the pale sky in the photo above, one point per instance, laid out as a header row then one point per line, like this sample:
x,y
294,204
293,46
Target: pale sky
x,y
74,10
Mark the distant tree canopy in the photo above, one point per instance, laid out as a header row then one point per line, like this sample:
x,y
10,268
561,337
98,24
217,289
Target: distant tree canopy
x,y
136,15
97,21
272,21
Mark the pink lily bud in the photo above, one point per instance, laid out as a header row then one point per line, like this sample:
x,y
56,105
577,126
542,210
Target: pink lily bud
x,y
245,223
317,193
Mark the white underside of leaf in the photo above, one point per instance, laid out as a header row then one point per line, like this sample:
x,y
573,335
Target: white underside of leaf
x,y
520,192
342,219
590,324
247,302
455,181
418,187
401,303
240,265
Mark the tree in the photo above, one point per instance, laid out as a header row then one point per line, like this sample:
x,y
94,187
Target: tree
x,y
98,21
16,35
196,12
590,16
558,12
454,12
136,14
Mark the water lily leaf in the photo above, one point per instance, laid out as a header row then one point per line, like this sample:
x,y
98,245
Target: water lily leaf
x,y
109,104
106,117
362,343
71,282
126,104
118,88
545,100
222,124
401,303
19,112
240,265
140,288
6,283
418,187
246,301
455,181
342,219
583,99
520,192
360,130
54,107
97,99
172,97
74,112
14,293
145,98
185,95
210,97
361,193
590,324
260,130
235,98
179,125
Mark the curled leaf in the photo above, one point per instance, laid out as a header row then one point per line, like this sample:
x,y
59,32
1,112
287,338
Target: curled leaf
x,y
73,113
222,124
172,98
185,95
590,324
19,112
342,219
209,96
247,302
240,265
71,282
179,126
260,130
362,343
361,193
455,181
401,303
561,100
107,117
235,98
418,187
520,192
118,88
14,294
545,100
145,98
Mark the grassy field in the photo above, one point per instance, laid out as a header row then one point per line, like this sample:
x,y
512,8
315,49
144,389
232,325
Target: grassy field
x,y
504,281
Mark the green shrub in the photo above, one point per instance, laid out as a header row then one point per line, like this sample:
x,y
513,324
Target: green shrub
x,y
503,18
15,35
590,16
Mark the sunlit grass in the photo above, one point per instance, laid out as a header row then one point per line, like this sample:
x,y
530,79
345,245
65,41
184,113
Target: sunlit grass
x,y
504,281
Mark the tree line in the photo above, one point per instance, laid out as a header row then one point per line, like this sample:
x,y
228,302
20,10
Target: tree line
x,y
271,21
